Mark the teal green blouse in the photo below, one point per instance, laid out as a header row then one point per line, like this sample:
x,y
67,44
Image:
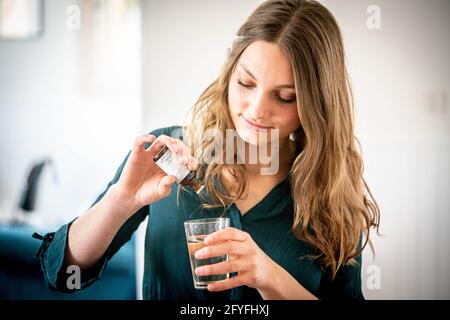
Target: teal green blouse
x,y
167,272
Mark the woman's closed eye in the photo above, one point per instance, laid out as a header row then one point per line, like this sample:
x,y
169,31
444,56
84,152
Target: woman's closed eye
x,y
245,85
286,101
278,96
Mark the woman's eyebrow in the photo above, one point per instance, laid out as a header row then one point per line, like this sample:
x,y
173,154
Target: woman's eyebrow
x,y
283,86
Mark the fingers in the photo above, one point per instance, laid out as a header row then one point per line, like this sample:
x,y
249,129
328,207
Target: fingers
x,y
140,141
220,268
232,282
228,247
165,185
226,234
192,163
176,146
183,153
157,145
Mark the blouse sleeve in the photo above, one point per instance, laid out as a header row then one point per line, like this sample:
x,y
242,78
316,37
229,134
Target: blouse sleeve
x,y
53,248
346,284
51,253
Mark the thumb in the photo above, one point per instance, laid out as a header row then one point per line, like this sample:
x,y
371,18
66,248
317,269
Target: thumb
x,y
164,185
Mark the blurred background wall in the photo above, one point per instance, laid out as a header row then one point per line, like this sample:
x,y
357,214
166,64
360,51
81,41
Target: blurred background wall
x,y
401,78
81,95
72,95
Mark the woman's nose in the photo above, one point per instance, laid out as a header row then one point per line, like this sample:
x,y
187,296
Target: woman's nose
x,y
259,107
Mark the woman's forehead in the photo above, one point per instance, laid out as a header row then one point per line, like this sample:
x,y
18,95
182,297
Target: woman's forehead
x,y
267,63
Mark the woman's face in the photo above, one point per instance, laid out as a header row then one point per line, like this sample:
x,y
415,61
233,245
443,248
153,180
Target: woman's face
x,y
262,95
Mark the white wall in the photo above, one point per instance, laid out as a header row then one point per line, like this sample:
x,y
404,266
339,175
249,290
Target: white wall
x,y
44,113
401,81
401,76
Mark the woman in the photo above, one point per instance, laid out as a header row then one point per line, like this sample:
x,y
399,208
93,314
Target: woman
x,y
298,232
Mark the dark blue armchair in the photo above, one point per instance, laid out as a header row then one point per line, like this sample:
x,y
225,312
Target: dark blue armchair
x,y
22,278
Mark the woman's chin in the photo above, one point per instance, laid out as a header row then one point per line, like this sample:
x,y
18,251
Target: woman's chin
x,y
252,137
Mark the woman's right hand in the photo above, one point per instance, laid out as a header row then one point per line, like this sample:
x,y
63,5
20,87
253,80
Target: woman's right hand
x,y
142,182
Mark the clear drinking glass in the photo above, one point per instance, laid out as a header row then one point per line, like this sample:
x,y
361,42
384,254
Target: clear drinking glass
x,y
196,231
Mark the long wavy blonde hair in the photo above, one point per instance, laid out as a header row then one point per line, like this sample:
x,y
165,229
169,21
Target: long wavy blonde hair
x,y
333,207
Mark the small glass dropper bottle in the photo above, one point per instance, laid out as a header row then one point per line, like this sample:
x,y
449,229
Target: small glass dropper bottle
x,y
168,162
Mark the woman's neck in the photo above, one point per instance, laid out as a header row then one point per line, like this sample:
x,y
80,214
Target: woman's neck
x,y
277,163
255,178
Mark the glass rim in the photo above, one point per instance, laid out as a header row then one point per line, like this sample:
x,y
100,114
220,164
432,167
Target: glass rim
x,y
205,221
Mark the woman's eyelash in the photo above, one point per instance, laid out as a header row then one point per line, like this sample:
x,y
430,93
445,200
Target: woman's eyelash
x,y
243,84
286,101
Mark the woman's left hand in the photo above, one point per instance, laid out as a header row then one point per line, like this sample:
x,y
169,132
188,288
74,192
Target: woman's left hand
x,y
254,267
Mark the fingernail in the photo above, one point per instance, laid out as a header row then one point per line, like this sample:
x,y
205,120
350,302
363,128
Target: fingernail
x,y
199,254
193,164
199,271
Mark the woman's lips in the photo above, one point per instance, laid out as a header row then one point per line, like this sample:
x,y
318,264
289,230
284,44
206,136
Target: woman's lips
x,y
253,126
